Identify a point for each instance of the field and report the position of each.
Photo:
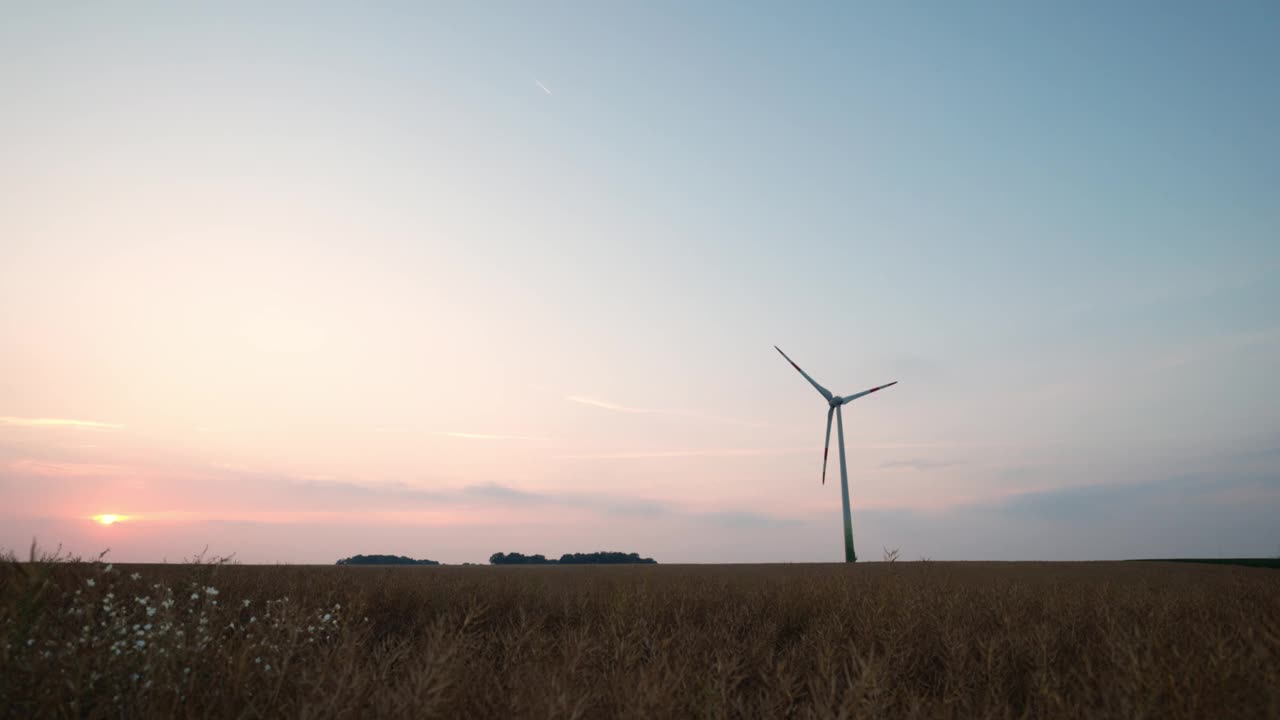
(921, 639)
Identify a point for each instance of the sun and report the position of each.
(109, 519)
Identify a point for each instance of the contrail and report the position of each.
(544, 87)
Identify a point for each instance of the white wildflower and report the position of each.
(211, 590)
(135, 576)
(90, 582)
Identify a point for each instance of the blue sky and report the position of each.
(395, 248)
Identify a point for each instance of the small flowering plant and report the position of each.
(113, 635)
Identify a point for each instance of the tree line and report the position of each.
(595, 558)
(384, 560)
(515, 558)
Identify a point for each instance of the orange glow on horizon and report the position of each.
(109, 519)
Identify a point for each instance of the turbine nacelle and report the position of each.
(836, 401)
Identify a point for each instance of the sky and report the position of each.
(297, 281)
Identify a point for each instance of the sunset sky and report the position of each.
(302, 282)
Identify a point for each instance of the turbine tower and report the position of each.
(834, 403)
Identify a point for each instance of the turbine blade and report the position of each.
(827, 446)
(855, 396)
(825, 392)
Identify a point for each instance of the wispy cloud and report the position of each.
(710, 452)
(544, 87)
(605, 405)
(748, 520)
(48, 469)
(917, 464)
(59, 423)
(614, 407)
(755, 452)
(361, 498)
(482, 436)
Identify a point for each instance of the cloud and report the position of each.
(502, 493)
(59, 423)
(1156, 498)
(615, 504)
(712, 452)
(606, 405)
(482, 436)
(917, 465)
(756, 452)
(47, 469)
(395, 491)
(361, 498)
(748, 520)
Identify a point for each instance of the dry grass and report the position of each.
(967, 640)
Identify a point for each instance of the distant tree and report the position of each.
(595, 558)
(605, 558)
(384, 560)
(516, 558)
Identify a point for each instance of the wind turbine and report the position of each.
(834, 403)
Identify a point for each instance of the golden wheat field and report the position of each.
(921, 639)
